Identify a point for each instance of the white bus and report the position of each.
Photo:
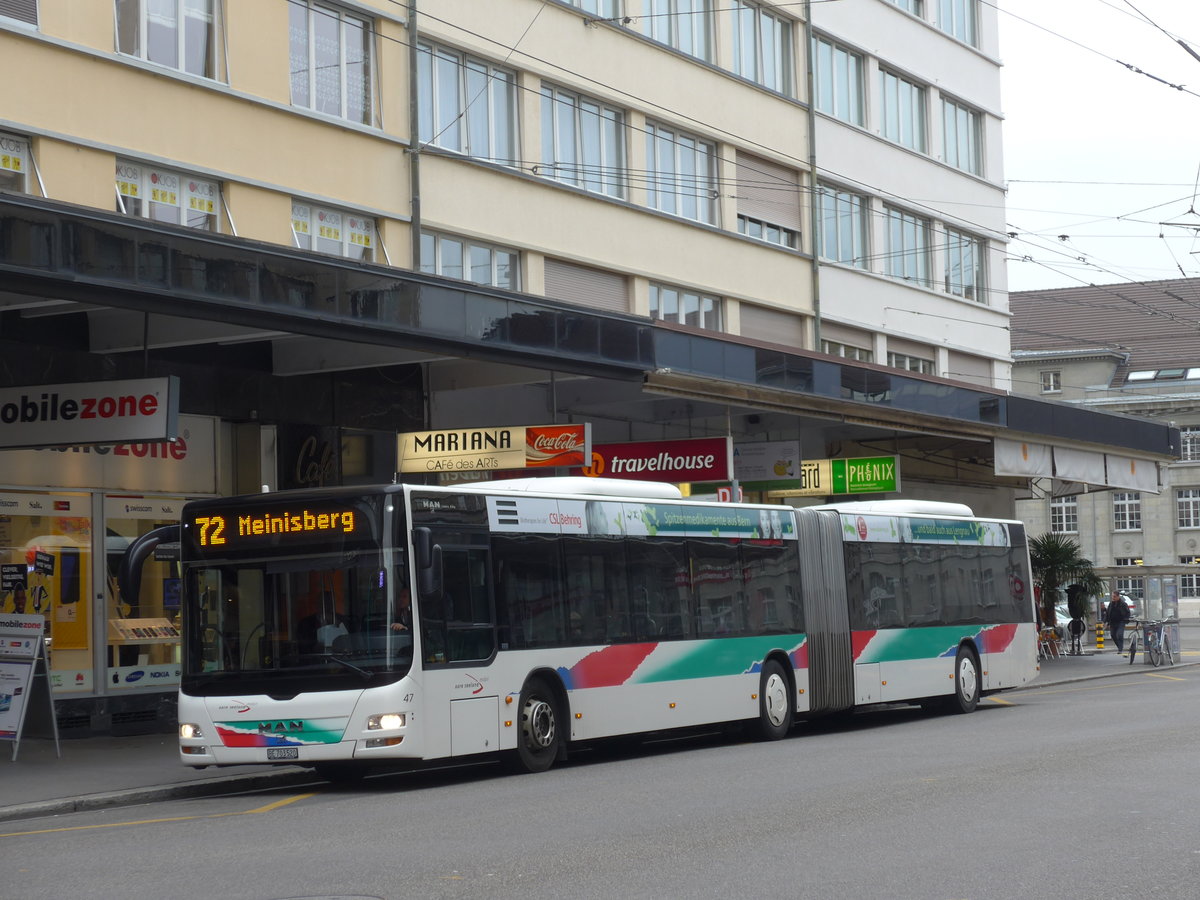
(559, 611)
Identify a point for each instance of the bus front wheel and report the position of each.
(774, 703)
(966, 681)
(540, 733)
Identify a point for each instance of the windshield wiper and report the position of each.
(349, 665)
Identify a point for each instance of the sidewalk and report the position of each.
(94, 773)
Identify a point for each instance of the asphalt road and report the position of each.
(1076, 791)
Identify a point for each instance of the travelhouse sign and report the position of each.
(489, 449)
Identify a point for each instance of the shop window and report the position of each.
(333, 231)
(15, 163)
(45, 566)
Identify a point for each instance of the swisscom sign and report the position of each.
(92, 412)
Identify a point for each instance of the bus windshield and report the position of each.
(319, 622)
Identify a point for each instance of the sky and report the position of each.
(1102, 163)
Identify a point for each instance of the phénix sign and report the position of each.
(90, 412)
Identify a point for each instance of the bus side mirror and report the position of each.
(428, 564)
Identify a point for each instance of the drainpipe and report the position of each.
(813, 198)
(414, 141)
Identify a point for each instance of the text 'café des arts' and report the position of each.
(122, 398)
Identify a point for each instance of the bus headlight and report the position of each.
(385, 722)
(190, 730)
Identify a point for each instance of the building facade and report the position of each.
(1131, 349)
(332, 222)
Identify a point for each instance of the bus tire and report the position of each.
(775, 708)
(966, 681)
(540, 731)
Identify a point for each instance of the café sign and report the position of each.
(492, 449)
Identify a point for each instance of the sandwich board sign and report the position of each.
(25, 701)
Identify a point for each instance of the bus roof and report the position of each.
(902, 507)
(579, 484)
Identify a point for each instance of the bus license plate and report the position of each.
(283, 753)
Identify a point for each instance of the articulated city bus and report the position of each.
(553, 612)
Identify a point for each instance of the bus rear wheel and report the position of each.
(775, 707)
(540, 734)
(966, 682)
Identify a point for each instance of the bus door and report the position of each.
(458, 642)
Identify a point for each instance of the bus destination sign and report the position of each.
(218, 529)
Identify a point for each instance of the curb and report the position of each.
(208, 787)
(1107, 673)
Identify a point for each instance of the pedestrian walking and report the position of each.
(1118, 615)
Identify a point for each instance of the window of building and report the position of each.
(330, 61)
(608, 9)
(765, 231)
(21, 10)
(762, 46)
(178, 34)
(1187, 508)
(1127, 511)
(901, 110)
(1189, 586)
(847, 351)
(685, 25)
(1052, 382)
(910, 363)
(843, 226)
(673, 304)
(469, 260)
(583, 142)
(1064, 515)
(961, 137)
(167, 196)
(964, 254)
(838, 81)
(907, 252)
(1134, 587)
(14, 163)
(466, 105)
(333, 231)
(682, 174)
(1189, 436)
(1127, 561)
(959, 19)
(916, 7)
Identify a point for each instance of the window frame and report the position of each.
(434, 243)
(962, 136)
(609, 169)
(960, 20)
(665, 188)
(710, 317)
(215, 66)
(761, 230)
(839, 81)
(907, 252)
(847, 351)
(1051, 381)
(16, 160)
(470, 120)
(966, 252)
(1064, 514)
(908, 362)
(201, 196)
(903, 106)
(366, 103)
(681, 25)
(1127, 511)
(1187, 508)
(351, 236)
(778, 75)
(849, 209)
(1189, 440)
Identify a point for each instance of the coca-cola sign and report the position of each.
(556, 445)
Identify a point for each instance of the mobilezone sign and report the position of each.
(91, 412)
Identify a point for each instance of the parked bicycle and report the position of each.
(1156, 644)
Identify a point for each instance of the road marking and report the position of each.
(1167, 677)
(998, 700)
(247, 812)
